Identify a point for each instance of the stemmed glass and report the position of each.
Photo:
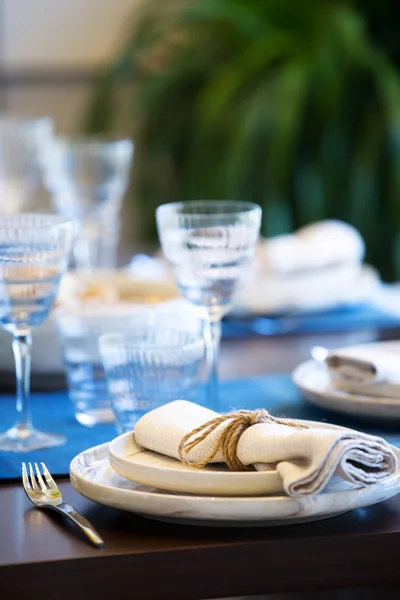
(87, 178)
(21, 140)
(209, 245)
(34, 251)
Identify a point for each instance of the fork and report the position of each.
(49, 496)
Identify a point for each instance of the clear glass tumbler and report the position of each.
(21, 143)
(87, 178)
(34, 251)
(209, 245)
(80, 329)
(149, 367)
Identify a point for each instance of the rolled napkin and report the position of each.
(320, 265)
(306, 458)
(368, 369)
(321, 245)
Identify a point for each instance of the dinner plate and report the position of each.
(93, 477)
(312, 379)
(149, 468)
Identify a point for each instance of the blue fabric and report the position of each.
(53, 412)
(361, 316)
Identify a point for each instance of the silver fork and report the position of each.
(43, 492)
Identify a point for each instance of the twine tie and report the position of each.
(228, 439)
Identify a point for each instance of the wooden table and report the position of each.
(150, 560)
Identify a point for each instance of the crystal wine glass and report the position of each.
(34, 251)
(209, 245)
(21, 142)
(87, 178)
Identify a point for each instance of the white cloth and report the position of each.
(306, 459)
(321, 245)
(316, 267)
(368, 369)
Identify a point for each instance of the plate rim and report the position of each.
(343, 395)
(219, 499)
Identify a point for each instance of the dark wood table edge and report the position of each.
(316, 563)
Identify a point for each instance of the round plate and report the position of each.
(313, 381)
(150, 468)
(143, 466)
(93, 477)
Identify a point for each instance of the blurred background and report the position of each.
(294, 105)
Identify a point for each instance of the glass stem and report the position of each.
(22, 344)
(212, 336)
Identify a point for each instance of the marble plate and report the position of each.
(314, 383)
(93, 477)
(137, 464)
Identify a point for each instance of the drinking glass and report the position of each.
(148, 367)
(80, 329)
(21, 141)
(34, 252)
(87, 179)
(209, 245)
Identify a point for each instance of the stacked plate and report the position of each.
(380, 401)
(125, 476)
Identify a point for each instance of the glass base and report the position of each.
(23, 440)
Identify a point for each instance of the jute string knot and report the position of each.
(228, 439)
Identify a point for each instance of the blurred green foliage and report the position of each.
(293, 104)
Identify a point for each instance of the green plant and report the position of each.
(294, 104)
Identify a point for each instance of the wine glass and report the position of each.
(87, 178)
(209, 245)
(34, 251)
(21, 142)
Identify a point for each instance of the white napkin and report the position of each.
(318, 266)
(324, 244)
(368, 369)
(306, 459)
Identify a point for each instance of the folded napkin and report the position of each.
(306, 459)
(320, 265)
(370, 369)
(317, 246)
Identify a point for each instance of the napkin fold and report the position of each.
(321, 245)
(306, 459)
(369, 370)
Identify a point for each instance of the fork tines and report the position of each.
(31, 483)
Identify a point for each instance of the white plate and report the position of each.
(149, 468)
(320, 291)
(313, 381)
(93, 477)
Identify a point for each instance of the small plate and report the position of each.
(143, 466)
(150, 468)
(93, 477)
(312, 379)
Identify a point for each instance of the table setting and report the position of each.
(145, 425)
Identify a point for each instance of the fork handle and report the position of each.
(79, 520)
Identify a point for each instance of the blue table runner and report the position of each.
(360, 316)
(53, 412)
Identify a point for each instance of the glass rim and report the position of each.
(24, 118)
(196, 339)
(239, 206)
(82, 141)
(25, 220)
